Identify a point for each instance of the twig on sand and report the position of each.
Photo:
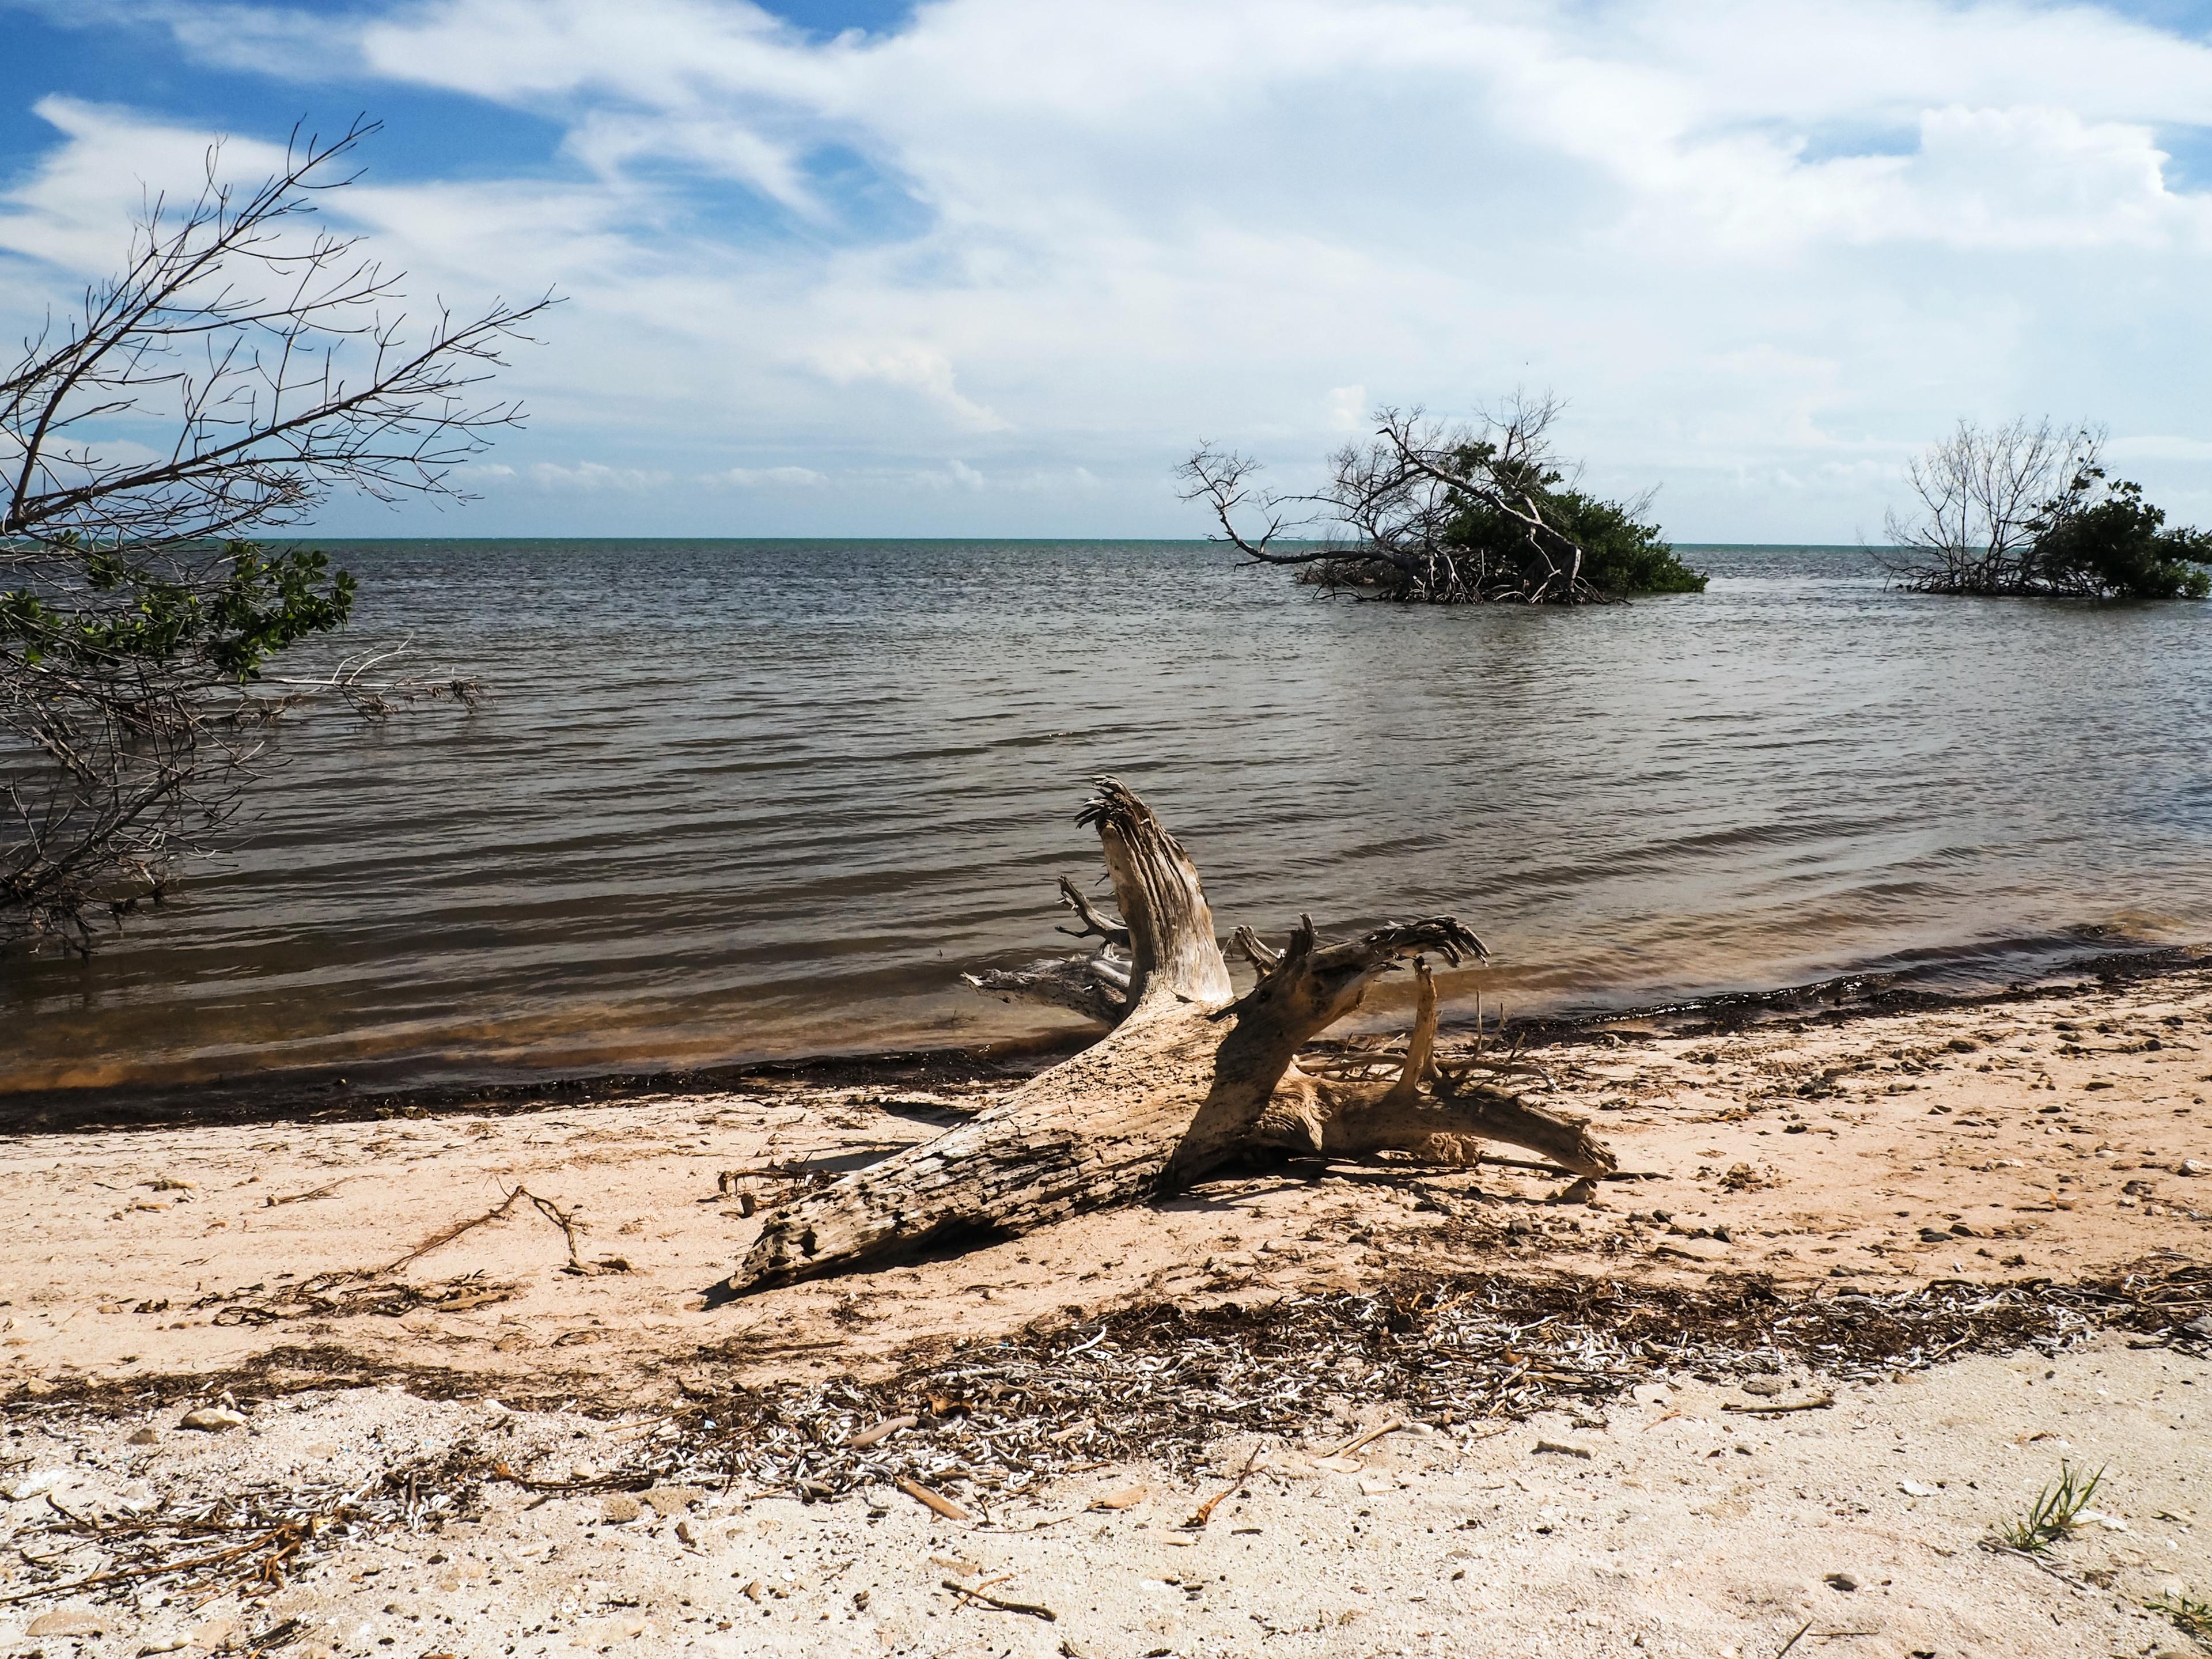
(1359, 1440)
(1820, 1404)
(883, 1431)
(273, 1201)
(1000, 1603)
(1795, 1639)
(283, 1541)
(562, 1220)
(275, 1636)
(1204, 1513)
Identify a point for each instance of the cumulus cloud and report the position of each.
(1765, 248)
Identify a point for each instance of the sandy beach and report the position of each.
(1874, 1279)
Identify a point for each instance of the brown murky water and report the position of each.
(735, 801)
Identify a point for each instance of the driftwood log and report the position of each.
(1190, 1077)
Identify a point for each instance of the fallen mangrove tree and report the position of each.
(1191, 1077)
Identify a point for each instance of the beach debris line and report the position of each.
(1191, 1076)
(1463, 1354)
(1168, 1384)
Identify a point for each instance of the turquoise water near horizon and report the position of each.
(733, 800)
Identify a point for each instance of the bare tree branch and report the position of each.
(1985, 494)
(244, 365)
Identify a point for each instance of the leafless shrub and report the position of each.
(1394, 517)
(243, 366)
(1984, 496)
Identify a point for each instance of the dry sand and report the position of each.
(2061, 1136)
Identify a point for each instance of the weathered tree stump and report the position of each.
(1190, 1075)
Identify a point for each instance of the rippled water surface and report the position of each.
(733, 801)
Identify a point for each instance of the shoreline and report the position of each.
(323, 1094)
(2056, 1132)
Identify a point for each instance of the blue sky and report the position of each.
(990, 267)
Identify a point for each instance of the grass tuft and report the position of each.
(2054, 1515)
(2191, 1616)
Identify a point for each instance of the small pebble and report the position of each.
(211, 1419)
(1842, 1581)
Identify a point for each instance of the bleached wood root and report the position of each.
(1435, 1116)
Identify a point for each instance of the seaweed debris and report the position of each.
(995, 1421)
(251, 1541)
(1167, 1383)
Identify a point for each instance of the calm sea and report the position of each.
(745, 799)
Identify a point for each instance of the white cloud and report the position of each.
(764, 477)
(910, 368)
(953, 475)
(1765, 249)
(111, 167)
(2159, 446)
(607, 142)
(596, 476)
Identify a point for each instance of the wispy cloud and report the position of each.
(595, 475)
(764, 477)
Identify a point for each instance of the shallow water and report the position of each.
(735, 800)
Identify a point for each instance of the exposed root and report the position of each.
(1070, 896)
(1254, 950)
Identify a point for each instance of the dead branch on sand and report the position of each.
(1191, 1077)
